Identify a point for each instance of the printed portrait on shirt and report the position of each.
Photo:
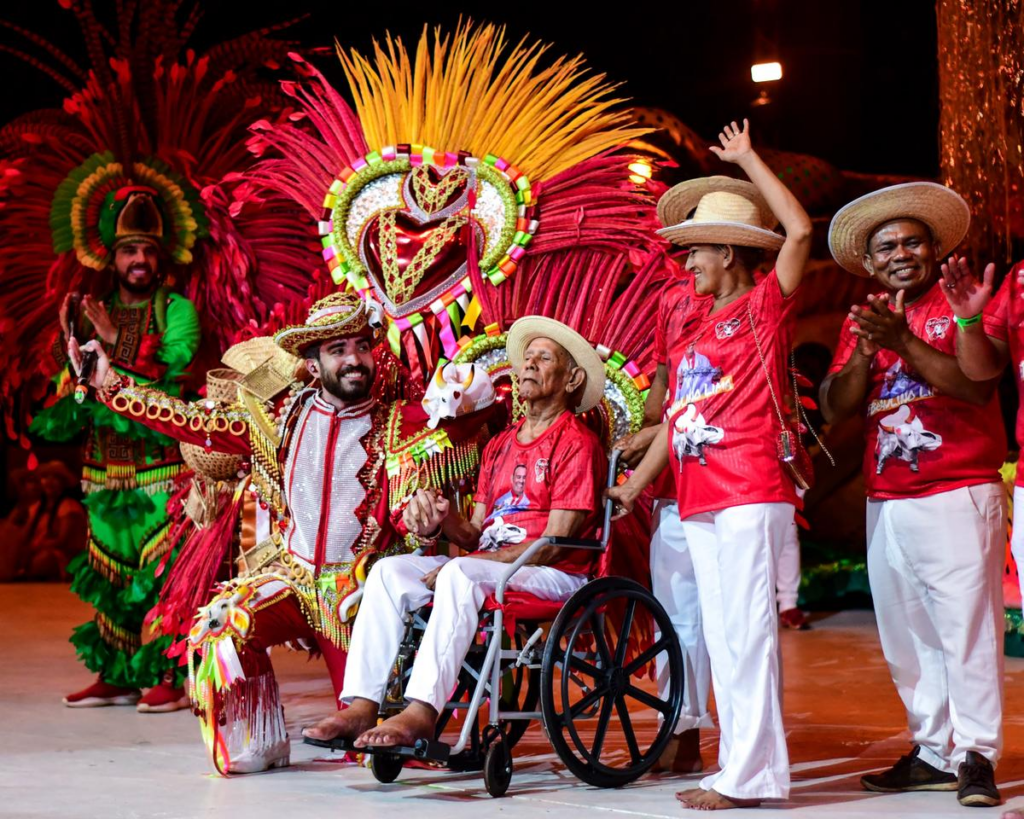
(697, 378)
(515, 500)
(900, 387)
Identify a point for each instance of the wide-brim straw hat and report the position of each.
(943, 210)
(528, 328)
(726, 211)
(339, 315)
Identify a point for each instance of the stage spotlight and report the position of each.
(766, 72)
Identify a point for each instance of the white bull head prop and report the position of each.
(457, 389)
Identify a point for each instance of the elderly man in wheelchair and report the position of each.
(541, 477)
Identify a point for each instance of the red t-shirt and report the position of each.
(520, 484)
(920, 442)
(1004, 319)
(723, 428)
(675, 302)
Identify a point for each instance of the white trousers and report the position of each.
(1017, 537)
(935, 566)
(675, 585)
(734, 555)
(395, 587)
(788, 580)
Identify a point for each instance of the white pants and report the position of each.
(788, 580)
(1017, 537)
(935, 566)
(395, 587)
(675, 585)
(734, 557)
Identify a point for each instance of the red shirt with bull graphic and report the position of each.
(920, 442)
(723, 429)
(1004, 319)
(675, 302)
(520, 484)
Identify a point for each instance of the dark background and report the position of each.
(859, 88)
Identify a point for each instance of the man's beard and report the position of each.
(335, 384)
(139, 288)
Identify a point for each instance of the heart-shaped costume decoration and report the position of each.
(414, 250)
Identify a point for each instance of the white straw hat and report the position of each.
(526, 329)
(943, 210)
(726, 211)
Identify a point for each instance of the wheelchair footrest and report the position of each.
(426, 749)
(336, 744)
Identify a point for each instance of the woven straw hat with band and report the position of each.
(339, 315)
(528, 328)
(726, 211)
(943, 210)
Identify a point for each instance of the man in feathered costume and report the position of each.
(126, 194)
(320, 460)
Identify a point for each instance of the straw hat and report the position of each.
(339, 315)
(526, 329)
(222, 388)
(942, 209)
(726, 211)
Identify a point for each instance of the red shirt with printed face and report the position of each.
(520, 484)
(920, 442)
(1004, 319)
(675, 302)
(723, 427)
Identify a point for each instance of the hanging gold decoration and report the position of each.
(981, 120)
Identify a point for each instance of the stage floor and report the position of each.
(842, 714)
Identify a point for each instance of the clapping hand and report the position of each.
(879, 325)
(967, 296)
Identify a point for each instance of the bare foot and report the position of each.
(688, 794)
(360, 716)
(415, 722)
(682, 754)
(713, 800)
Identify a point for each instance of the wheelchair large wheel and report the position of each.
(597, 704)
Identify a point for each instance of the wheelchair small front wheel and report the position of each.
(386, 767)
(498, 767)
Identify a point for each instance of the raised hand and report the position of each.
(967, 296)
(881, 325)
(100, 319)
(735, 143)
(63, 316)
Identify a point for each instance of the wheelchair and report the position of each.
(576, 666)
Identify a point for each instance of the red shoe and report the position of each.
(163, 698)
(100, 694)
(794, 619)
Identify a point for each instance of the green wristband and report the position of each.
(964, 323)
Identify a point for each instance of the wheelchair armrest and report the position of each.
(576, 543)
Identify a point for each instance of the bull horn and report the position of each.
(469, 378)
(439, 378)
